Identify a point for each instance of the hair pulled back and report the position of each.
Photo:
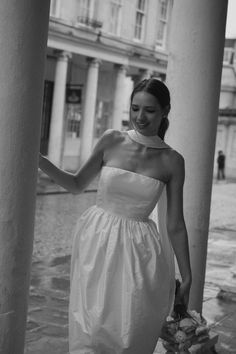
(160, 91)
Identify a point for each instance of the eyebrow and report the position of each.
(135, 104)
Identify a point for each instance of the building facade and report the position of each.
(226, 131)
(97, 51)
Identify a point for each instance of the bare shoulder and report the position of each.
(112, 134)
(175, 164)
(176, 159)
(108, 139)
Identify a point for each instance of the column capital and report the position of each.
(134, 77)
(145, 73)
(93, 61)
(159, 76)
(121, 67)
(62, 55)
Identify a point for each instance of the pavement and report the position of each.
(47, 324)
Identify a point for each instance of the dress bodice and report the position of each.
(128, 194)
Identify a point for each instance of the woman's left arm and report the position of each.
(176, 225)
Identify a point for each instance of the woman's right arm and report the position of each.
(76, 183)
(63, 178)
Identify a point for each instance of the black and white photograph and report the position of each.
(118, 177)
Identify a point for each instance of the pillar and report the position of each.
(193, 77)
(23, 40)
(57, 126)
(89, 110)
(119, 99)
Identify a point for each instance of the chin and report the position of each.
(145, 131)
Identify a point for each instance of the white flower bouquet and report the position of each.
(183, 329)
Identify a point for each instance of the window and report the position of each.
(140, 19)
(73, 107)
(228, 56)
(55, 8)
(115, 16)
(85, 11)
(164, 11)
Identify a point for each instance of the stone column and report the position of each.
(57, 126)
(89, 110)
(23, 39)
(119, 98)
(193, 77)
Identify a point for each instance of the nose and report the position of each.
(140, 116)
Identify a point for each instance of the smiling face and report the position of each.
(146, 113)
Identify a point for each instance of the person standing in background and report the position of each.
(221, 165)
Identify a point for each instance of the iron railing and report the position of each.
(90, 22)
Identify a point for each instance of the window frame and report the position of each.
(141, 28)
(119, 5)
(229, 55)
(90, 12)
(163, 21)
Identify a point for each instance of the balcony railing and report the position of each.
(90, 22)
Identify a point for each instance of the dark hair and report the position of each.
(159, 90)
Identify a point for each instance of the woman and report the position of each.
(120, 283)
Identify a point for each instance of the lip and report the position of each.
(142, 125)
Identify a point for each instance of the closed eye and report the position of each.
(135, 108)
(150, 110)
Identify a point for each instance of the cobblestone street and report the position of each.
(56, 216)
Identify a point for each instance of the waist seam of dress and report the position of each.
(122, 216)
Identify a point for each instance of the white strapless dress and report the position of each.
(120, 270)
